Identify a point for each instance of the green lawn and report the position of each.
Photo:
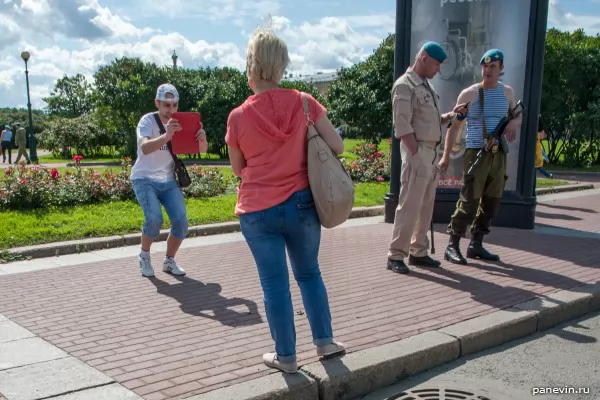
(549, 183)
(118, 218)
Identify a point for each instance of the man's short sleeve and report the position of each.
(231, 137)
(145, 127)
(402, 109)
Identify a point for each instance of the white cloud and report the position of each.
(568, 21)
(66, 37)
(212, 10)
(332, 42)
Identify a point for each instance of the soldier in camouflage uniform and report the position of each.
(483, 186)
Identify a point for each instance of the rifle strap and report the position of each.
(484, 133)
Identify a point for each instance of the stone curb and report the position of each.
(582, 173)
(362, 372)
(86, 245)
(564, 188)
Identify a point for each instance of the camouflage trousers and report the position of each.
(480, 194)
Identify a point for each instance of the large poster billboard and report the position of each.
(467, 29)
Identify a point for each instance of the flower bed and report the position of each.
(370, 165)
(38, 187)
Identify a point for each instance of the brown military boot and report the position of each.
(453, 253)
(476, 249)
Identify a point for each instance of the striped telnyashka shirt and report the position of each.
(496, 107)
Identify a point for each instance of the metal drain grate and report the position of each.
(439, 394)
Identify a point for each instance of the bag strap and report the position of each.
(309, 122)
(484, 131)
(161, 127)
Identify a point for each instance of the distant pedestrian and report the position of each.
(6, 142)
(540, 154)
(267, 140)
(154, 181)
(21, 141)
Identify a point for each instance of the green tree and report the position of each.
(225, 90)
(71, 97)
(82, 135)
(125, 90)
(360, 96)
(570, 96)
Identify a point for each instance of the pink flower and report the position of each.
(54, 173)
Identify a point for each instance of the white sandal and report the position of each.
(271, 360)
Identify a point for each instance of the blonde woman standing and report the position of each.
(266, 136)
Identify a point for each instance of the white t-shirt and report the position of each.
(158, 165)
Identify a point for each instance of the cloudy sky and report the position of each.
(78, 36)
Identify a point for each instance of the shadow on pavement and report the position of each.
(204, 300)
(526, 274)
(502, 297)
(565, 217)
(567, 208)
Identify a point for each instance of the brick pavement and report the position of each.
(169, 338)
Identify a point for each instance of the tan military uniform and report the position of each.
(21, 141)
(415, 111)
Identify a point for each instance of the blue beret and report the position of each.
(491, 56)
(435, 51)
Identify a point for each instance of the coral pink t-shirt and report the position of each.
(270, 130)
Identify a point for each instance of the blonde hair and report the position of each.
(266, 56)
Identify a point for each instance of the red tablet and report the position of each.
(184, 141)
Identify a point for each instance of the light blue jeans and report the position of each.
(293, 224)
(151, 194)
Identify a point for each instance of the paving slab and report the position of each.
(109, 392)
(9, 331)
(27, 351)
(49, 378)
(177, 337)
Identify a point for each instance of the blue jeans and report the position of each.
(151, 194)
(293, 224)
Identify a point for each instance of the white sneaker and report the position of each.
(330, 350)
(171, 267)
(146, 266)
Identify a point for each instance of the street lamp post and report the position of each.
(32, 152)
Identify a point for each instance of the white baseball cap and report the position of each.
(164, 89)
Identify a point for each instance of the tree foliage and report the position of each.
(71, 97)
(360, 97)
(571, 97)
(124, 90)
(65, 137)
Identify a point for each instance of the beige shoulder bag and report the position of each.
(330, 184)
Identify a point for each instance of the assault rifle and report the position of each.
(496, 138)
